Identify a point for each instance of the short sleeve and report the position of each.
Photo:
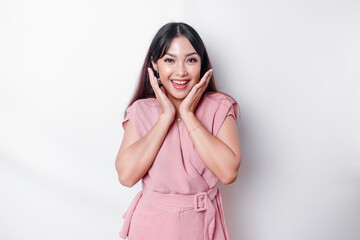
(141, 113)
(128, 116)
(131, 114)
(227, 106)
(232, 109)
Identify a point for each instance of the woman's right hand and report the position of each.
(166, 105)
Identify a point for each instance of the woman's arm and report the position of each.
(220, 153)
(136, 155)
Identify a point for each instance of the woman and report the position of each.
(180, 139)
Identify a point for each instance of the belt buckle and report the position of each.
(200, 198)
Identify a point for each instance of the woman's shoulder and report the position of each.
(143, 114)
(145, 103)
(214, 108)
(218, 98)
(143, 107)
(219, 103)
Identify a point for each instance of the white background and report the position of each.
(68, 70)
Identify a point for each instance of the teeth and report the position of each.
(180, 82)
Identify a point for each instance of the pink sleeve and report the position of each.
(227, 106)
(128, 116)
(137, 113)
(132, 113)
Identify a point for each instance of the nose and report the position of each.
(181, 70)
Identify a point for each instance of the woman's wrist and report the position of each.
(167, 118)
(194, 128)
(186, 115)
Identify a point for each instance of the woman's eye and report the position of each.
(171, 60)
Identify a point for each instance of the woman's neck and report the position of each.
(176, 103)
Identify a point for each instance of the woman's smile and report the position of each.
(180, 84)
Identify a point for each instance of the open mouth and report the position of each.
(180, 84)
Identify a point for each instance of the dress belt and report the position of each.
(198, 202)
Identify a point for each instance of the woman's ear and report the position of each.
(153, 64)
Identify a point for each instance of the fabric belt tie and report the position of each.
(200, 202)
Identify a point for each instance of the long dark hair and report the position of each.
(158, 48)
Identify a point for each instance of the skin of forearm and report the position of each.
(215, 154)
(136, 160)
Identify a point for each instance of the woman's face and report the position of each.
(179, 68)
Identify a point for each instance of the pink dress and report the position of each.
(180, 199)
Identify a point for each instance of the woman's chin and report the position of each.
(180, 95)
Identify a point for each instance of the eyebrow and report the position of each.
(189, 54)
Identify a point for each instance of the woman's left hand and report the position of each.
(189, 104)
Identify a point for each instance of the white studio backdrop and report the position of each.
(68, 70)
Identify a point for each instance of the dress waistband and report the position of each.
(180, 202)
(200, 202)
